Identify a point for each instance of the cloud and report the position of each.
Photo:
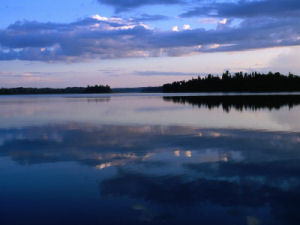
(163, 73)
(175, 28)
(242, 9)
(288, 61)
(125, 5)
(147, 17)
(186, 27)
(21, 75)
(106, 38)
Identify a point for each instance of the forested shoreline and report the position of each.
(238, 82)
(68, 90)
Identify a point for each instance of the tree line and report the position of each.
(68, 90)
(237, 82)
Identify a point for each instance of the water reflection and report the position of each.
(146, 174)
(239, 102)
(19, 111)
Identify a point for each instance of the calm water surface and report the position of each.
(149, 159)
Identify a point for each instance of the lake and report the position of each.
(150, 159)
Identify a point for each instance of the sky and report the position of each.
(132, 43)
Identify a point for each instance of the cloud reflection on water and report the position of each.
(170, 168)
(144, 160)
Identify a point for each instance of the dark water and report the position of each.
(149, 159)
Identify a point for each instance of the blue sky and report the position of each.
(128, 43)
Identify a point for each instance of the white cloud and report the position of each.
(175, 28)
(100, 18)
(223, 21)
(186, 27)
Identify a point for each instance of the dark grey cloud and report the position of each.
(148, 17)
(125, 5)
(105, 38)
(242, 9)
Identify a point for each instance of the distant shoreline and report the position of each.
(227, 83)
(237, 82)
(68, 90)
(204, 93)
(164, 94)
(209, 93)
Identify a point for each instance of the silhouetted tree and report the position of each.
(238, 82)
(97, 89)
(68, 90)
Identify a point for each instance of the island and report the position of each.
(69, 90)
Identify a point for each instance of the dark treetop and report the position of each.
(68, 90)
(238, 82)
